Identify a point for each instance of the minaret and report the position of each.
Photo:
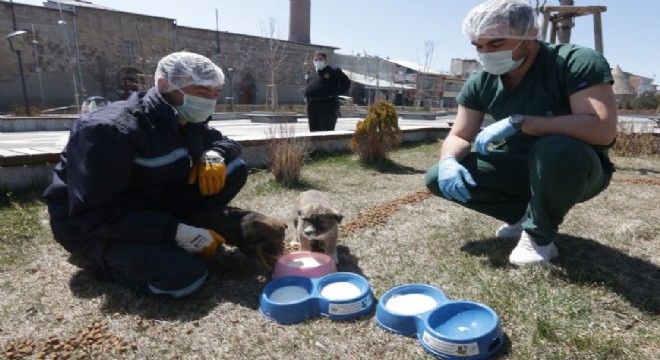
(299, 14)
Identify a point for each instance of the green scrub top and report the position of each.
(557, 72)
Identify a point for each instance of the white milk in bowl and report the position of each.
(304, 262)
(410, 304)
(288, 294)
(341, 290)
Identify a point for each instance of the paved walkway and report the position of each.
(240, 129)
(28, 157)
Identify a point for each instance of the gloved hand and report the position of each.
(497, 131)
(450, 179)
(197, 240)
(210, 173)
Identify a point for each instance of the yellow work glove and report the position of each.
(197, 240)
(210, 173)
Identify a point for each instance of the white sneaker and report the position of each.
(510, 231)
(528, 253)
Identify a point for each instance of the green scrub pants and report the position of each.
(543, 185)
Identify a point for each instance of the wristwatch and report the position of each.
(517, 120)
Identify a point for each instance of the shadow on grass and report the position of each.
(388, 166)
(230, 279)
(585, 261)
(347, 261)
(641, 171)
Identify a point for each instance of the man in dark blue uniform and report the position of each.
(126, 197)
(323, 88)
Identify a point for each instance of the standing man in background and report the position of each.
(323, 88)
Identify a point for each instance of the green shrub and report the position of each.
(377, 134)
(648, 101)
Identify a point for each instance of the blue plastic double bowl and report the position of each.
(338, 296)
(446, 329)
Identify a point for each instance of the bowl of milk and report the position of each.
(304, 263)
(401, 309)
(447, 329)
(288, 300)
(338, 296)
(344, 296)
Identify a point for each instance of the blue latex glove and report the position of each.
(497, 131)
(450, 179)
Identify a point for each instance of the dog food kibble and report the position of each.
(304, 262)
(340, 290)
(288, 294)
(410, 304)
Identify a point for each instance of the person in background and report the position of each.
(323, 88)
(136, 174)
(555, 119)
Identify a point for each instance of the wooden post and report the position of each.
(565, 23)
(558, 31)
(544, 27)
(598, 33)
(553, 32)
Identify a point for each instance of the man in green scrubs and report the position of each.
(555, 118)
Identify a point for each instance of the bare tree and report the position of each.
(538, 4)
(427, 62)
(145, 80)
(99, 70)
(272, 60)
(232, 73)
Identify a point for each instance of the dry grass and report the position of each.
(598, 301)
(642, 141)
(287, 153)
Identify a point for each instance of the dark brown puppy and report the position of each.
(316, 219)
(258, 236)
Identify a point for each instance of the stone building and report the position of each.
(74, 49)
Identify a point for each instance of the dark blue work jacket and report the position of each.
(124, 171)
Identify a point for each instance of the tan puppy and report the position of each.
(316, 219)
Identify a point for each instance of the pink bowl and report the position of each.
(304, 263)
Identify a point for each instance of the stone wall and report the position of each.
(115, 47)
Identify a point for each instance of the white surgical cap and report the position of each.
(186, 68)
(509, 19)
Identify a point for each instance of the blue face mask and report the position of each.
(500, 62)
(196, 109)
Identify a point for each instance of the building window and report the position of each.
(128, 48)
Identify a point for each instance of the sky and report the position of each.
(399, 29)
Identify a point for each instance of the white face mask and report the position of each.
(500, 62)
(319, 64)
(196, 109)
